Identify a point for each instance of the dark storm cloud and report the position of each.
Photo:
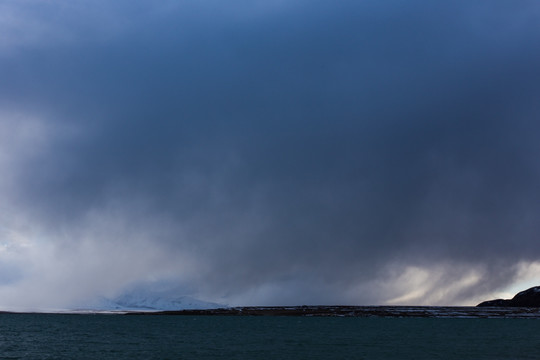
(297, 148)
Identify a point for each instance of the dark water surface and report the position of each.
(62, 336)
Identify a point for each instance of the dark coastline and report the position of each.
(359, 311)
(322, 311)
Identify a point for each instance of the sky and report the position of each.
(269, 152)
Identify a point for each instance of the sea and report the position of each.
(102, 336)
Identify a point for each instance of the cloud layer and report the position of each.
(268, 153)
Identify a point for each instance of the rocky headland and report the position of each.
(528, 298)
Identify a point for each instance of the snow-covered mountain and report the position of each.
(148, 301)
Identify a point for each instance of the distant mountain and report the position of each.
(149, 301)
(526, 298)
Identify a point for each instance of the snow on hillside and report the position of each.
(145, 301)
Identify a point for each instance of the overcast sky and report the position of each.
(269, 152)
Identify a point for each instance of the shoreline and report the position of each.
(359, 311)
(322, 311)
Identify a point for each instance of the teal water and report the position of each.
(61, 336)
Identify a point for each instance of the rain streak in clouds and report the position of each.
(261, 152)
